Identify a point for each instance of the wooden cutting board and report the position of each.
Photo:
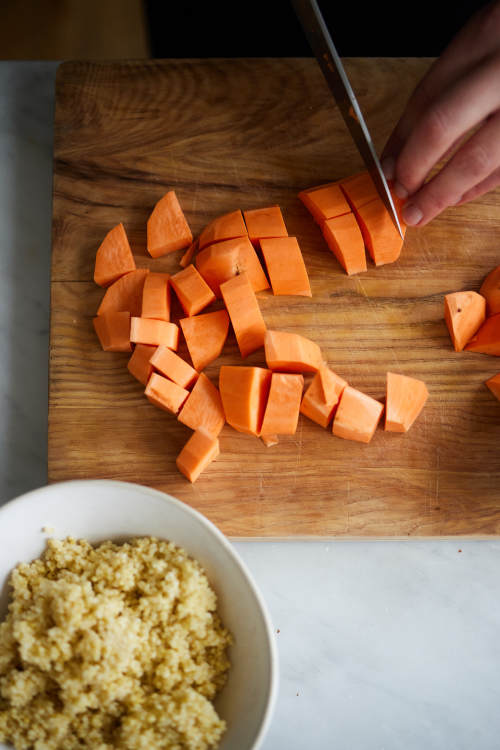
(229, 134)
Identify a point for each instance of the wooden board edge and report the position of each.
(370, 539)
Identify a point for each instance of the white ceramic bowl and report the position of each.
(97, 510)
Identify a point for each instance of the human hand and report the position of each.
(454, 112)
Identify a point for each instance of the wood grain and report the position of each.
(246, 133)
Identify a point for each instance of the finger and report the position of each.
(472, 165)
(490, 183)
(389, 163)
(478, 38)
(457, 111)
(418, 102)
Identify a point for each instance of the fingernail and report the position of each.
(412, 214)
(400, 190)
(388, 167)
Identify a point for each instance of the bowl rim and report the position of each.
(272, 686)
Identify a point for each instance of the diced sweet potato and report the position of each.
(464, 313)
(203, 407)
(325, 202)
(282, 410)
(405, 400)
(265, 222)
(139, 365)
(205, 336)
(167, 228)
(200, 450)
(165, 393)
(487, 338)
(494, 385)
(156, 296)
(222, 261)
(290, 352)
(357, 416)
(193, 292)
(244, 392)
(285, 266)
(490, 289)
(169, 364)
(114, 257)
(125, 294)
(244, 311)
(113, 331)
(154, 332)
(343, 237)
(322, 396)
(224, 227)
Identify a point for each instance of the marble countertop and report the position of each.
(382, 645)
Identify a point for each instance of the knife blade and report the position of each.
(321, 43)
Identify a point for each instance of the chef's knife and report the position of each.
(319, 38)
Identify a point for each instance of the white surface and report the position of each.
(99, 510)
(383, 645)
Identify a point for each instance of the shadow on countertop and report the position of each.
(26, 137)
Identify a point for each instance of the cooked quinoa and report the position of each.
(115, 646)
